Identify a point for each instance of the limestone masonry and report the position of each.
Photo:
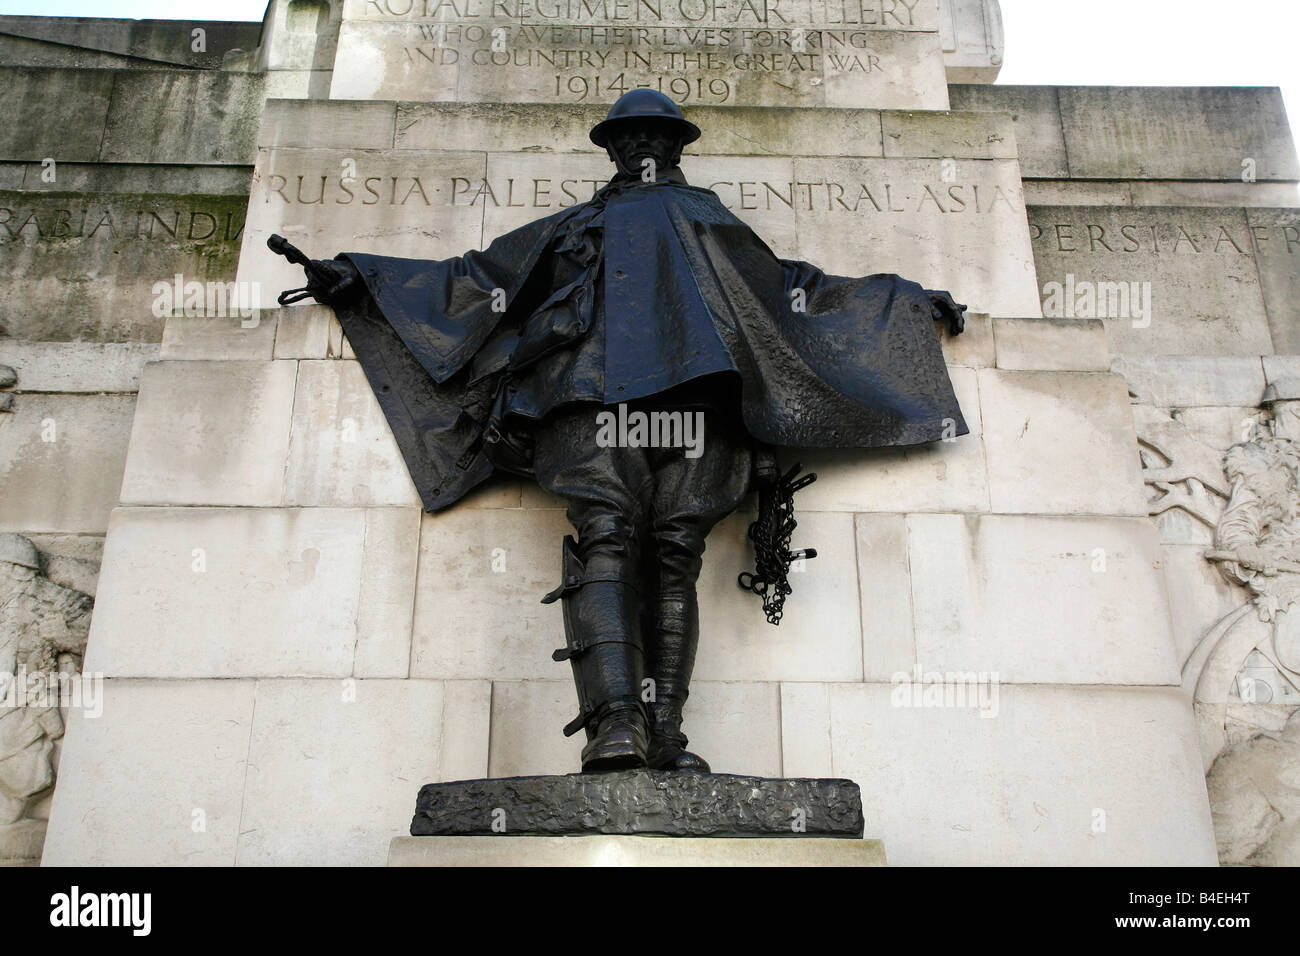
(1054, 640)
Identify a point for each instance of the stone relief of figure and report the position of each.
(1241, 667)
(43, 630)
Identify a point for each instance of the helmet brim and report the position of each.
(601, 132)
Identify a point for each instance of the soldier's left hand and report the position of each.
(946, 309)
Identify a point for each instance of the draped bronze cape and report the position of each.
(679, 288)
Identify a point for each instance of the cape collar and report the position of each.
(632, 180)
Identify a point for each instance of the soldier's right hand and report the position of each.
(333, 281)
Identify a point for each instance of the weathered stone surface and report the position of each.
(484, 571)
(197, 752)
(1283, 373)
(134, 179)
(974, 348)
(61, 461)
(1181, 381)
(389, 735)
(182, 117)
(969, 135)
(131, 116)
(1199, 597)
(1238, 194)
(973, 42)
(1035, 113)
(387, 593)
(1116, 132)
(22, 841)
(341, 451)
(79, 98)
(1038, 599)
(77, 366)
(1074, 192)
(235, 338)
(86, 266)
(259, 592)
(966, 235)
(1062, 773)
(297, 38)
(211, 433)
(734, 725)
(633, 851)
(179, 748)
(408, 203)
(308, 332)
(1167, 280)
(885, 587)
(727, 60)
(1277, 253)
(1040, 428)
(940, 476)
(329, 124)
(526, 719)
(736, 130)
(1255, 801)
(640, 801)
(1051, 345)
(159, 41)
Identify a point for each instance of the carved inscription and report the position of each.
(878, 197)
(50, 221)
(1171, 236)
(714, 52)
(879, 14)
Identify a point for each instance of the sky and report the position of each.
(1053, 42)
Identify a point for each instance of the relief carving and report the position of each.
(43, 630)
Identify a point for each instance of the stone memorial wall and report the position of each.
(1001, 636)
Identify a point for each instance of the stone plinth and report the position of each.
(632, 851)
(646, 802)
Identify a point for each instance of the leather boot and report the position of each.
(670, 659)
(602, 631)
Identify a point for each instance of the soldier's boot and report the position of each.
(670, 659)
(603, 645)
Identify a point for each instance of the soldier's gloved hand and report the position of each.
(945, 308)
(333, 281)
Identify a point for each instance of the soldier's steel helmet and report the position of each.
(644, 104)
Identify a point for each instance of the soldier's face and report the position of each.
(632, 145)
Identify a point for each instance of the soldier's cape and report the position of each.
(684, 289)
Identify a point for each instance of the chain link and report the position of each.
(770, 535)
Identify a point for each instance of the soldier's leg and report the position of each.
(605, 489)
(690, 496)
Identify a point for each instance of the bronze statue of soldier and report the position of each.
(654, 298)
